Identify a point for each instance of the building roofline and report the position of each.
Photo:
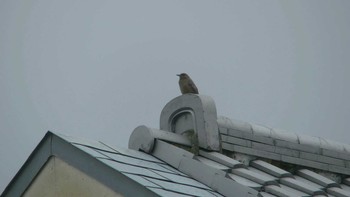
(30, 168)
(54, 145)
(279, 145)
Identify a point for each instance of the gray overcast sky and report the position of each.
(98, 69)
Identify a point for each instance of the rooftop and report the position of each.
(197, 153)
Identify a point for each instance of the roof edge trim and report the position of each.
(31, 167)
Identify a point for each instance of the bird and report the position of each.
(186, 84)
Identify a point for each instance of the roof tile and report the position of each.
(245, 181)
(284, 136)
(253, 176)
(163, 149)
(314, 177)
(279, 191)
(220, 158)
(270, 169)
(298, 185)
(212, 163)
(336, 191)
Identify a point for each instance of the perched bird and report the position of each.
(186, 84)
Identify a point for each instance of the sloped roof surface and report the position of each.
(273, 162)
(260, 172)
(289, 147)
(145, 169)
(273, 181)
(222, 157)
(318, 166)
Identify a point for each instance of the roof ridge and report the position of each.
(277, 144)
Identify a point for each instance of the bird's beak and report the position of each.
(178, 75)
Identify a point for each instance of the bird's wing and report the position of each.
(193, 86)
